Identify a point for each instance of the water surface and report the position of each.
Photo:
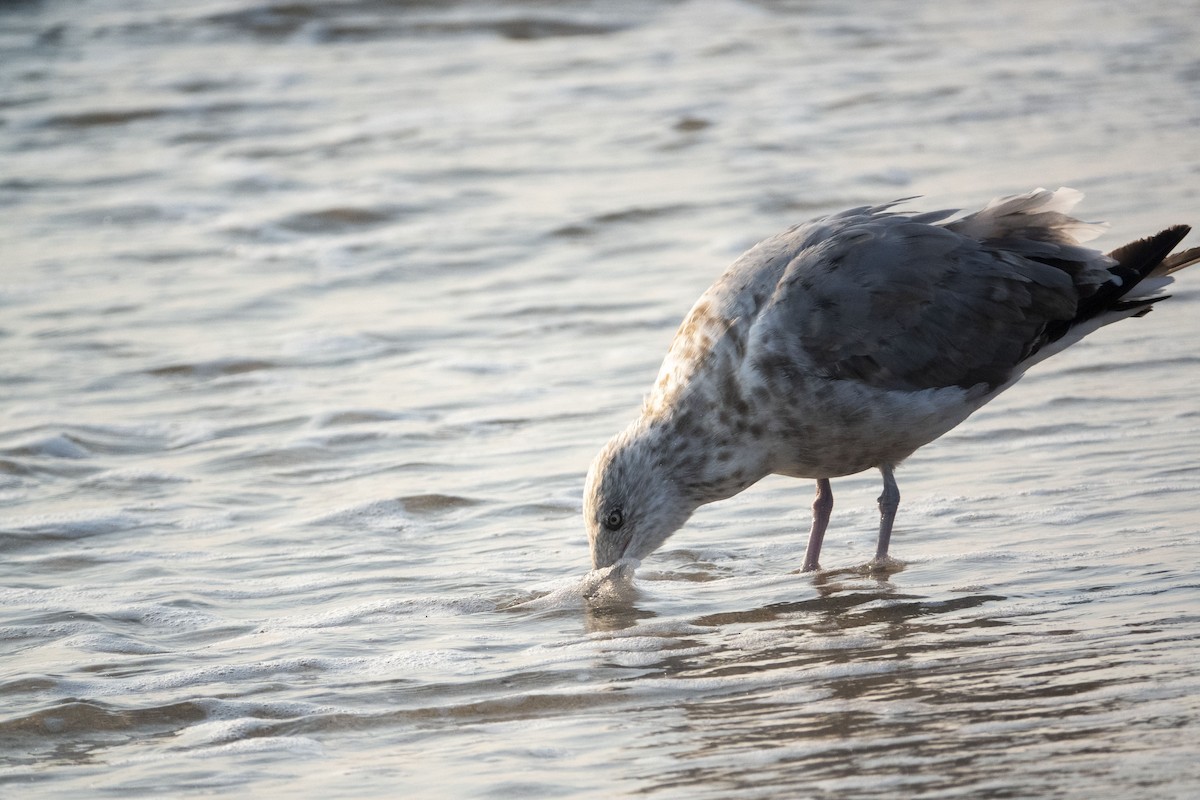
(312, 316)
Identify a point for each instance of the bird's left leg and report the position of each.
(889, 501)
(822, 508)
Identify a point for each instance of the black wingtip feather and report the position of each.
(1143, 255)
(1136, 261)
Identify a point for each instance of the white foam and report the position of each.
(226, 709)
(391, 607)
(599, 587)
(221, 731)
(42, 632)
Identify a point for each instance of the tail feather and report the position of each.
(1177, 261)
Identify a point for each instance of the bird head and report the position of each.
(631, 501)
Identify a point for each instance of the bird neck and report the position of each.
(702, 451)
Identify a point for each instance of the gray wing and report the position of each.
(898, 303)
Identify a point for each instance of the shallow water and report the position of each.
(312, 316)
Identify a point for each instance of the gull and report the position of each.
(845, 343)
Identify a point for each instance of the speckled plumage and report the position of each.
(848, 342)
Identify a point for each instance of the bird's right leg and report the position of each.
(822, 507)
(889, 501)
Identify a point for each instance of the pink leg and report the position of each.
(822, 506)
(889, 501)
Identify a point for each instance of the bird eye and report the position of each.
(614, 519)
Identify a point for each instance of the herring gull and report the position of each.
(846, 343)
